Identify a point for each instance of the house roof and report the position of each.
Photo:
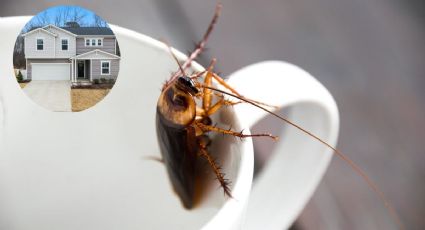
(95, 31)
(39, 29)
(89, 30)
(98, 54)
(58, 28)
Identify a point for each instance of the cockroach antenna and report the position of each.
(344, 157)
(199, 47)
(183, 126)
(175, 58)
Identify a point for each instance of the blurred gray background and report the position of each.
(369, 53)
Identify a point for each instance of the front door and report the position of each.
(80, 69)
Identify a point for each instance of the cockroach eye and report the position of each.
(187, 84)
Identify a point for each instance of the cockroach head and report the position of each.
(186, 84)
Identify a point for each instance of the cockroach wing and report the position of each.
(178, 148)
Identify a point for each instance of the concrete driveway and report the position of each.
(52, 95)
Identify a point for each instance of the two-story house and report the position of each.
(78, 54)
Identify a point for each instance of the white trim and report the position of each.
(109, 67)
(25, 47)
(39, 29)
(63, 30)
(96, 35)
(36, 57)
(32, 70)
(91, 41)
(54, 47)
(26, 68)
(75, 72)
(72, 71)
(66, 31)
(113, 56)
(100, 58)
(50, 63)
(115, 46)
(36, 43)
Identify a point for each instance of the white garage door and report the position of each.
(50, 71)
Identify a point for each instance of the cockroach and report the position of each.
(183, 126)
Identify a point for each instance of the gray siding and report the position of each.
(29, 61)
(52, 45)
(108, 45)
(48, 46)
(59, 53)
(96, 71)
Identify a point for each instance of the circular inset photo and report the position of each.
(66, 59)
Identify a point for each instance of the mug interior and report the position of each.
(89, 170)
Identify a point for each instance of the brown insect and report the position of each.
(183, 126)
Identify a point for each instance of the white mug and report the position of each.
(88, 170)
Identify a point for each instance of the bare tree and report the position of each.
(69, 14)
(77, 15)
(65, 15)
(98, 21)
(18, 53)
(36, 22)
(29, 26)
(42, 19)
(59, 17)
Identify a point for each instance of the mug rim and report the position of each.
(230, 214)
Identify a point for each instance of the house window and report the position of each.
(106, 67)
(64, 44)
(94, 42)
(40, 44)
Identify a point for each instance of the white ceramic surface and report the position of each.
(88, 170)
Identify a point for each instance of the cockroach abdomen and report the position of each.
(178, 148)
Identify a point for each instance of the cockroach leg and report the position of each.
(197, 75)
(207, 95)
(200, 112)
(213, 109)
(224, 84)
(207, 128)
(217, 171)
